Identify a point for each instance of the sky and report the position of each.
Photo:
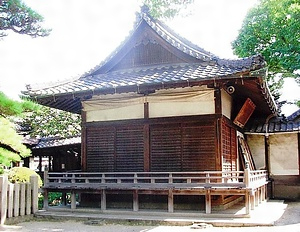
(84, 33)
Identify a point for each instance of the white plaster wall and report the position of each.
(284, 154)
(162, 103)
(257, 148)
(126, 112)
(226, 104)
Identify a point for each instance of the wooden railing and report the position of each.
(209, 178)
(208, 183)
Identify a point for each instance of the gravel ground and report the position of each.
(290, 221)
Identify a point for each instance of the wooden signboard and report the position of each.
(245, 113)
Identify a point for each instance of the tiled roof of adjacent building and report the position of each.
(275, 125)
(48, 142)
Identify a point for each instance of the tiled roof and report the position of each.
(276, 125)
(294, 116)
(202, 66)
(57, 142)
(144, 76)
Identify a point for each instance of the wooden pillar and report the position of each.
(103, 199)
(170, 201)
(46, 201)
(256, 197)
(260, 194)
(247, 202)
(64, 198)
(208, 201)
(73, 199)
(146, 136)
(3, 198)
(83, 142)
(263, 193)
(40, 164)
(218, 126)
(135, 201)
(252, 201)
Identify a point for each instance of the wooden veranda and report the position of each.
(250, 184)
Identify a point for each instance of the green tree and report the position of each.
(49, 122)
(166, 8)
(11, 146)
(19, 18)
(272, 29)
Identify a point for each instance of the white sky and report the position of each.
(85, 32)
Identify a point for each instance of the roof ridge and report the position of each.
(177, 40)
(253, 62)
(166, 33)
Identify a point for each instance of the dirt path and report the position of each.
(290, 221)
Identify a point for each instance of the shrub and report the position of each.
(22, 175)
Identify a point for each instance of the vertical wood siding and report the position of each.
(115, 148)
(175, 145)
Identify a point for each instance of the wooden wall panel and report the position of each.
(100, 149)
(165, 148)
(183, 147)
(166, 144)
(198, 148)
(115, 148)
(129, 149)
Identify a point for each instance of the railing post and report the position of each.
(73, 180)
(135, 178)
(3, 198)
(247, 176)
(207, 179)
(170, 178)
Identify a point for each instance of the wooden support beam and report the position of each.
(252, 200)
(247, 202)
(73, 200)
(103, 199)
(263, 193)
(208, 202)
(256, 197)
(260, 195)
(135, 201)
(46, 201)
(170, 201)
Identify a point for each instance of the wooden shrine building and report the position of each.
(163, 109)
